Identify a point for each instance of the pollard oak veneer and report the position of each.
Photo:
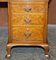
(27, 24)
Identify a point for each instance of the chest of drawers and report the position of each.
(27, 24)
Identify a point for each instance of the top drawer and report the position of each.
(28, 7)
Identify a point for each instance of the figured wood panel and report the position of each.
(27, 33)
(29, 7)
(28, 19)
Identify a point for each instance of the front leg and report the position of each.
(8, 50)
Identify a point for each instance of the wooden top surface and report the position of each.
(3, 0)
(22, 0)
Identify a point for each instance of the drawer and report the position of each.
(27, 33)
(29, 7)
(28, 19)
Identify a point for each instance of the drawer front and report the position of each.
(27, 33)
(28, 19)
(29, 7)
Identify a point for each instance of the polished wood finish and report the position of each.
(3, 0)
(29, 7)
(27, 25)
(26, 19)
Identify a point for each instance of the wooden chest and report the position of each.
(27, 24)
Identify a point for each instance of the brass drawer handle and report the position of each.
(28, 9)
(27, 34)
(27, 20)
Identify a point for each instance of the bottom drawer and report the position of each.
(27, 33)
